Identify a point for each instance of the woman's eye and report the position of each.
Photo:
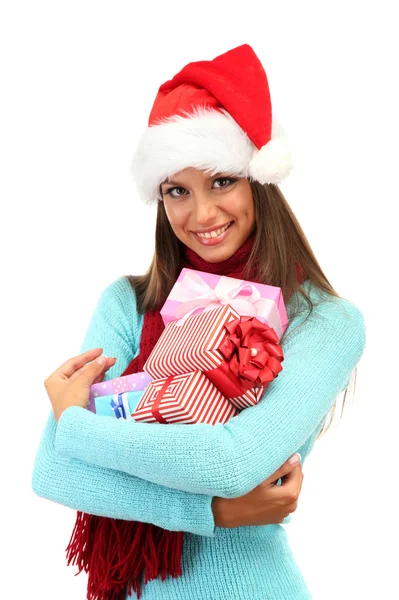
(172, 192)
(225, 181)
(179, 192)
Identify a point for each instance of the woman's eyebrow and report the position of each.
(171, 182)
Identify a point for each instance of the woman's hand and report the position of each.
(69, 385)
(267, 503)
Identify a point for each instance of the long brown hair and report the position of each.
(279, 245)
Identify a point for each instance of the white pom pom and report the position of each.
(273, 162)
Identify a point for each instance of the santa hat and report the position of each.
(216, 116)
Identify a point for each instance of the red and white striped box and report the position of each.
(186, 398)
(193, 345)
(190, 345)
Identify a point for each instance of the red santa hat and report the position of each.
(216, 116)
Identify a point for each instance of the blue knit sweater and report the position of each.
(168, 474)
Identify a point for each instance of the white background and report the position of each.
(78, 79)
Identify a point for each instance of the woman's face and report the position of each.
(196, 203)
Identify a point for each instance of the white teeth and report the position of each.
(213, 234)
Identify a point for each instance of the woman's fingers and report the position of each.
(68, 368)
(86, 377)
(64, 393)
(108, 364)
(283, 470)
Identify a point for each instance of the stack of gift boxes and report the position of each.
(216, 356)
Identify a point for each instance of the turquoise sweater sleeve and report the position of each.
(228, 460)
(110, 492)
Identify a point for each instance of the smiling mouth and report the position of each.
(214, 234)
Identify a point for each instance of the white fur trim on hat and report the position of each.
(206, 139)
(274, 161)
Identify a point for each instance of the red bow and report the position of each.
(253, 351)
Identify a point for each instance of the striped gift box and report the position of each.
(185, 398)
(192, 345)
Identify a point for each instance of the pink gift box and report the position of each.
(134, 382)
(195, 344)
(186, 398)
(196, 291)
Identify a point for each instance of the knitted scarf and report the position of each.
(117, 553)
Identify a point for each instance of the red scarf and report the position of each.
(116, 553)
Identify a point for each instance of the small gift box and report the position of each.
(120, 406)
(196, 291)
(240, 355)
(186, 398)
(128, 383)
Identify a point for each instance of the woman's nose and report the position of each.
(205, 210)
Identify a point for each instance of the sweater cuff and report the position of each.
(70, 434)
(201, 517)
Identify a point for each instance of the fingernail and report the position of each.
(295, 458)
(101, 359)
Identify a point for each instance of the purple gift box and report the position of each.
(128, 383)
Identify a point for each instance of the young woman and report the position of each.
(211, 158)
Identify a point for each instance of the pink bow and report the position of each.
(198, 294)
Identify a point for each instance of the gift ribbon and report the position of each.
(252, 352)
(194, 293)
(118, 408)
(121, 407)
(158, 398)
